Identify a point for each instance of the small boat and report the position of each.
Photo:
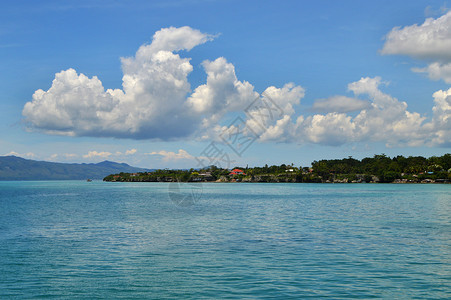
(88, 180)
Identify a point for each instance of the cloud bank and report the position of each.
(157, 102)
(385, 119)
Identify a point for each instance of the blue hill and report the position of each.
(17, 168)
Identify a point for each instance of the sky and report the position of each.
(181, 84)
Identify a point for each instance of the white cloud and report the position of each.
(95, 154)
(171, 156)
(223, 91)
(130, 152)
(436, 71)
(150, 105)
(430, 40)
(175, 39)
(12, 153)
(27, 155)
(340, 104)
(442, 117)
(385, 119)
(331, 129)
(280, 131)
(155, 101)
(273, 110)
(381, 119)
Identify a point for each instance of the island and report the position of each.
(377, 169)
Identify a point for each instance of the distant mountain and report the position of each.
(17, 168)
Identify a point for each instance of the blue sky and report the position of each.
(349, 77)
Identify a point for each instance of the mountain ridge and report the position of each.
(18, 168)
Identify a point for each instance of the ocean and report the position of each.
(105, 240)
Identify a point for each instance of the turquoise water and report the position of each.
(75, 239)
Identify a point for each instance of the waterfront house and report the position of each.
(237, 172)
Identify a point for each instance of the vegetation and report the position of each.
(379, 168)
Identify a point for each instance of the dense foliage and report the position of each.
(379, 168)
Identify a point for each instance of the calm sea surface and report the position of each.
(75, 239)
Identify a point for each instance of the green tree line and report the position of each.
(379, 168)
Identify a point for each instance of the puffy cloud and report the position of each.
(385, 119)
(280, 131)
(436, 71)
(286, 97)
(332, 129)
(430, 40)
(152, 103)
(222, 93)
(155, 100)
(339, 104)
(73, 105)
(442, 117)
(273, 109)
(94, 154)
(14, 153)
(130, 152)
(366, 85)
(171, 156)
(175, 39)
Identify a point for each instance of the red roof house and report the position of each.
(237, 172)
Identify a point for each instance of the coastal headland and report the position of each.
(377, 169)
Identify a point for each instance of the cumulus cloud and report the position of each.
(436, 71)
(95, 154)
(273, 109)
(384, 119)
(151, 104)
(155, 102)
(175, 39)
(430, 40)
(130, 152)
(442, 118)
(171, 156)
(14, 153)
(222, 93)
(339, 104)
